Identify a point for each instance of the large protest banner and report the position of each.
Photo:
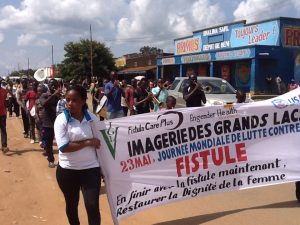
(157, 158)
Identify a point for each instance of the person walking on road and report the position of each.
(31, 96)
(160, 93)
(78, 167)
(129, 96)
(49, 101)
(143, 100)
(20, 94)
(13, 106)
(3, 112)
(114, 92)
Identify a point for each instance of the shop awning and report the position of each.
(137, 70)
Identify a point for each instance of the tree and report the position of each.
(77, 62)
(20, 73)
(150, 50)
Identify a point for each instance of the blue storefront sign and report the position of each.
(230, 36)
(195, 58)
(168, 61)
(235, 54)
(257, 34)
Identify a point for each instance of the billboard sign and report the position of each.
(188, 45)
(257, 34)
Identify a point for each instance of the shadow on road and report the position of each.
(13, 152)
(208, 217)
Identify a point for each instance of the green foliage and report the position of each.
(21, 73)
(150, 50)
(77, 62)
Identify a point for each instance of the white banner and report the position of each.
(157, 158)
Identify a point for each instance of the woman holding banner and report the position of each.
(78, 167)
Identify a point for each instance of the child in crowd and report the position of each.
(240, 96)
(170, 104)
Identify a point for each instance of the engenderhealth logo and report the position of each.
(280, 103)
(110, 138)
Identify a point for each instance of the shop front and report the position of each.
(130, 73)
(235, 67)
(246, 55)
(197, 64)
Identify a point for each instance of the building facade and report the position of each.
(243, 54)
(138, 64)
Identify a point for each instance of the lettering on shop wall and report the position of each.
(292, 36)
(223, 44)
(217, 45)
(191, 45)
(214, 31)
(264, 33)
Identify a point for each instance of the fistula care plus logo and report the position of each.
(110, 137)
(110, 134)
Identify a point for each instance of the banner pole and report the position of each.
(102, 169)
(108, 194)
(115, 219)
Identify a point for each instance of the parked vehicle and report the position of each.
(217, 90)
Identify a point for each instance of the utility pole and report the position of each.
(28, 67)
(52, 56)
(52, 66)
(91, 39)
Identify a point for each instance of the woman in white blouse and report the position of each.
(78, 167)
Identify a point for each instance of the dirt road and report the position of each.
(29, 195)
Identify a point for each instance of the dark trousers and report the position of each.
(32, 127)
(25, 121)
(48, 137)
(39, 127)
(298, 190)
(70, 183)
(3, 131)
(125, 110)
(13, 106)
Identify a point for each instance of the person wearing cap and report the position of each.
(114, 92)
(193, 94)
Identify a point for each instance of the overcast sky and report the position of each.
(29, 28)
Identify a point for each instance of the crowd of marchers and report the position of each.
(39, 103)
(56, 109)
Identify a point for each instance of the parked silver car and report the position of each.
(217, 90)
